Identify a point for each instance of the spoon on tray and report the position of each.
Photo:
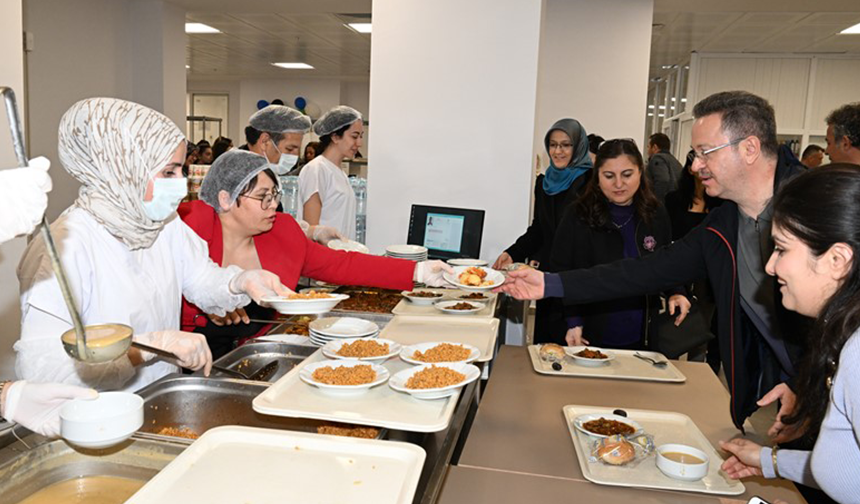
(655, 363)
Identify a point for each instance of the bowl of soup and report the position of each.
(682, 462)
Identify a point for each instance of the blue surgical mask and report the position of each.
(167, 193)
(285, 163)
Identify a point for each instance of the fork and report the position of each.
(659, 364)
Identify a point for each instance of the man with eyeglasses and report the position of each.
(737, 158)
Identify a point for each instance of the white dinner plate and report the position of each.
(332, 348)
(398, 381)
(304, 306)
(348, 246)
(492, 275)
(446, 307)
(306, 374)
(582, 419)
(343, 327)
(422, 301)
(406, 250)
(408, 351)
(571, 352)
(467, 262)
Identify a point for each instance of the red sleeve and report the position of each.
(352, 268)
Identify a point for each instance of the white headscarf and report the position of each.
(113, 148)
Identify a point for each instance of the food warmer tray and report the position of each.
(251, 357)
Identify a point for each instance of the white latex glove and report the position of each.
(36, 406)
(430, 273)
(325, 234)
(191, 348)
(24, 193)
(258, 284)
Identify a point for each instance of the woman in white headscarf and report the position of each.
(127, 258)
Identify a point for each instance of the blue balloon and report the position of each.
(300, 102)
(262, 104)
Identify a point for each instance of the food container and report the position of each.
(23, 474)
(192, 404)
(251, 357)
(683, 469)
(109, 419)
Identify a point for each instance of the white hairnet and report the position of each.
(231, 172)
(336, 119)
(280, 119)
(113, 148)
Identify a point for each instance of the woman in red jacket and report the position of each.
(237, 218)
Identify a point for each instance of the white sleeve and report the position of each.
(205, 283)
(311, 181)
(44, 318)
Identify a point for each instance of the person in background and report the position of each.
(663, 169)
(737, 157)
(812, 156)
(36, 406)
(843, 134)
(127, 258)
(236, 217)
(204, 152)
(221, 146)
(594, 142)
(325, 194)
(568, 173)
(252, 137)
(311, 150)
(190, 157)
(281, 132)
(816, 262)
(617, 216)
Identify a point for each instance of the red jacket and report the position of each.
(286, 251)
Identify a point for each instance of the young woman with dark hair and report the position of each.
(816, 229)
(616, 217)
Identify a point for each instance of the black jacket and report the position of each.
(536, 243)
(578, 245)
(708, 251)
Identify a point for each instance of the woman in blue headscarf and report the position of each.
(570, 167)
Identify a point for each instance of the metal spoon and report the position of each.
(114, 345)
(656, 363)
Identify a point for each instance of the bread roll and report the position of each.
(616, 451)
(551, 352)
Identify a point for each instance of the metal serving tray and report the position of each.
(251, 357)
(199, 404)
(24, 472)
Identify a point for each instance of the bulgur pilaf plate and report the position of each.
(345, 371)
(400, 381)
(439, 351)
(363, 349)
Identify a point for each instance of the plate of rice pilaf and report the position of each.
(434, 381)
(365, 349)
(439, 351)
(344, 377)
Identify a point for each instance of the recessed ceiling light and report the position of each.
(200, 28)
(187, 67)
(360, 27)
(294, 66)
(853, 30)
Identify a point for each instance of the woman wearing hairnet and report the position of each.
(127, 259)
(236, 217)
(324, 190)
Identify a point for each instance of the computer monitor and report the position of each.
(447, 233)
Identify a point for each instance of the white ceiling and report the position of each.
(312, 31)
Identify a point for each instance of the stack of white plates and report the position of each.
(328, 329)
(411, 252)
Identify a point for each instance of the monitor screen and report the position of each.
(446, 232)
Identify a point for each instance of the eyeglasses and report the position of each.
(267, 200)
(703, 155)
(562, 146)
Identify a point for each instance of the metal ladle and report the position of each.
(115, 339)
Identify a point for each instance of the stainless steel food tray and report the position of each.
(251, 357)
(23, 472)
(199, 404)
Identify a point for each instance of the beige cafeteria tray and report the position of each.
(275, 466)
(624, 367)
(478, 332)
(379, 407)
(408, 308)
(666, 427)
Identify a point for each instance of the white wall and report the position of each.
(593, 67)
(11, 75)
(452, 99)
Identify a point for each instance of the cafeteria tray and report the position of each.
(272, 466)
(624, 367)
(666, 427)
(407, 308)
(478, 332)
(197, 404)
(252, 356)
(379, 407)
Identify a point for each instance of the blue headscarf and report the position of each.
(558, 179)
